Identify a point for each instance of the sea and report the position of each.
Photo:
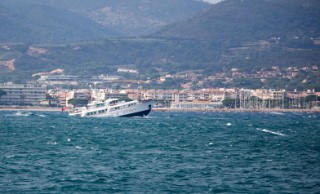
(165, 152)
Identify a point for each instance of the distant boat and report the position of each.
(114, 108)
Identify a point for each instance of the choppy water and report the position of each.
(167, 152)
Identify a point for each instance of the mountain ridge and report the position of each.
(248, 19)
(62, 21)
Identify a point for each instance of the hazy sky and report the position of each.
(212, 1)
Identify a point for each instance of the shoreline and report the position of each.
(30, 108)
(58, 109)
(233, 110)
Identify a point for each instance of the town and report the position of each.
(55, 89)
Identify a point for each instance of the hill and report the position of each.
(25, 22)
(250, 20)
(250, 35)
(134, 17)
(62, 21)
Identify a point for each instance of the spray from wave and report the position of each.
(272, 132)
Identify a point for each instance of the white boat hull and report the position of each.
(128, 109)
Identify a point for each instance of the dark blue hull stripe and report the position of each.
(138, 114)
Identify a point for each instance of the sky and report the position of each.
(212, 1)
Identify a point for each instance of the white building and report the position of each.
(197, 105)
(107, 78)
(23, 94)
(127, 70)
(58, 79)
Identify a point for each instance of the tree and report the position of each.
(125, 98)
(2, 93)
(311, 98)
(23, 97)
(230, 102)
(78, 102)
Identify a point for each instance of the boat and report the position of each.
(114, 108)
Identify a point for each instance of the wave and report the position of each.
(25, 114)
(40, 115)
(21, 114)
(272, 132)
(276, 113)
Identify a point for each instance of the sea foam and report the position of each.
(272, 132)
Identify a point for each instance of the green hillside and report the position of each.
(24, 22)
(63, 21)
(134, 17)
(249, 34)
(236, 21)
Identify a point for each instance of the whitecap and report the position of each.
(277, 113)
(272, 132)
(10, 156)
(78, 147)
(228, 124)
(149, 117)
(21, 114)
(40, 115)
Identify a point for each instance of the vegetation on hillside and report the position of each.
(249, 35)
(232, 22)
(63, 21)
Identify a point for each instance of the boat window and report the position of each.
(100, 105)
(101, 111)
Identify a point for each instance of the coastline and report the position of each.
(233, 110)
(58, 109)
(30, 108)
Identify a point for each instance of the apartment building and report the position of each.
(58, 79)
(23, 94)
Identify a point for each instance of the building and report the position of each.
(196, 105)
(115, 94)
(127, 70)
(60, 97)
(105, 78)
(168, 95)
(58, 80)
(23, 94)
